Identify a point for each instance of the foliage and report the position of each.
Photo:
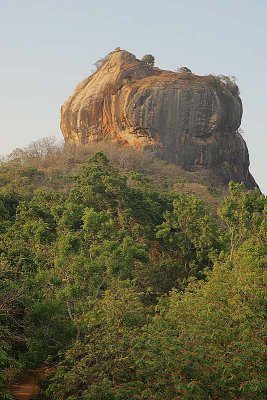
(191, 232)
(99, 63)
(227, 83)
(210, 341)
(148, 59)
(126, 291)
(184, 69)
(112, 326)
(243, 213)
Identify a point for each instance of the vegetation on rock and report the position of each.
(148, 59)
(184, 69)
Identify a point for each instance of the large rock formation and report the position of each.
(187, 119)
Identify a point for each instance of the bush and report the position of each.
(184, 69)
(226, 83)
(148, 59)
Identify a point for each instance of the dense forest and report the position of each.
(118, 283)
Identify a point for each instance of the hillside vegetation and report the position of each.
(123, 283)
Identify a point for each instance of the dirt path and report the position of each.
(25, 390)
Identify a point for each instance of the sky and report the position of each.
(47, 47)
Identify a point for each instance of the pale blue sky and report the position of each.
(47, 47)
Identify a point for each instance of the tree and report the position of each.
(190, 231)
(209, 343)
(98, 366)
(226, 83)
(242, 212)
(99, 63)
(184, 69)
(148, 59)
(86, 271)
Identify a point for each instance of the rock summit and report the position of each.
(184, 118)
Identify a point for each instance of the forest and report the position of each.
(115, 286)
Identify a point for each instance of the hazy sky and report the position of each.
(47, 47)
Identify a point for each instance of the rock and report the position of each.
(186, 119)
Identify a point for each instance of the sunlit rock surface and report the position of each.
(187, 119)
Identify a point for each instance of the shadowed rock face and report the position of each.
(187, 119)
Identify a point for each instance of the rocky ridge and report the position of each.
(184, 118)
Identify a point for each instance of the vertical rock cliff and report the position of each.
(187, 119)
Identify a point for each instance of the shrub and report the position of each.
(148, 59)
(184, 69)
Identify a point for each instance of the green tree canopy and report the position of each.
(148, 59)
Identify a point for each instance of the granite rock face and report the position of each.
(186, 119)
